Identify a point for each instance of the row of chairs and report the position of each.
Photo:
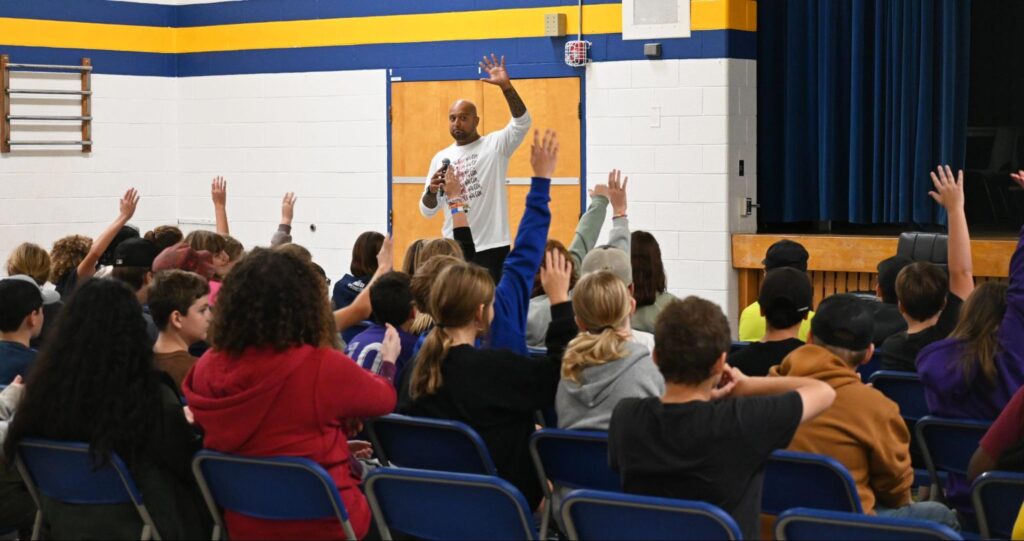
(569, 459)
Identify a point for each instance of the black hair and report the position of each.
(391, 299)
(18, 299)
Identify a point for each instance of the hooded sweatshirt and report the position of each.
(292, 403)
(862, 429)
(588, 405)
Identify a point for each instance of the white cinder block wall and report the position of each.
(321, 135)
(46, 193)
(678, 129)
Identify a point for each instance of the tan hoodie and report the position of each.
(862, 429)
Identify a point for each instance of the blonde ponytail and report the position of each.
(455, 296)
(602, 302)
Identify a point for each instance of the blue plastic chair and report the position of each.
(907, 391)
(592, 514)
(64, 471)
(948, 444)
(271, 488)
(813, 524)
(793, 479)
(442, 505)
(997, 498)
(571, 459)
(869, 368)
(430, 444)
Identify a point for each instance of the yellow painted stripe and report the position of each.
(426, 27)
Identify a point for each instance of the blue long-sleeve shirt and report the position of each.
(512, 295)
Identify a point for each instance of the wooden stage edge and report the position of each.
(839, 264)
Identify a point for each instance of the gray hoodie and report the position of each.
(588, 405)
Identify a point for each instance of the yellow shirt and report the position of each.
(1018, 526)
(753, 327)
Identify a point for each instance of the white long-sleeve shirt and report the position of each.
(483, 168)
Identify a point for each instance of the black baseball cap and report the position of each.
(786, 295)
(888, 270)
(786, 253)
(135, 253)
(18, 299)
(844, 321)
(125, 233)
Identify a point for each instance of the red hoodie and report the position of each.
(292, 403)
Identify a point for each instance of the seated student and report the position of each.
(31, 259)
(495, 391)
(391, 299)
(603, 365)
(785, 302)
(930, 298)
(888, 318)
(708, 436)
(784, 253)
(274, 383)
(583, 242)
(164, 236)
(617, 262)
(94, 382)
(235, 250)
(17, 509)
(923, 292)
(179, 304)
(649, 283)
(362, 268)
(22, 304)
(133, 265)
(863, 429)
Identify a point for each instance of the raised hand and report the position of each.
(452, 184)
(386, 256)
(219, 191)
(544, 154)
(391, 346)
(1018, 177)
(617, 192)
(497, 75)
(288, 208)
(555, 276)
(127, 205)
(948, 192)
(599, 190)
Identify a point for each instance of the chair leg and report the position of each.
(216, 532)
(38, 526)
(145, 533)
(545, 518)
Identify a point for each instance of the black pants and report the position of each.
(492, 260)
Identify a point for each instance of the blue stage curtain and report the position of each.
(857, 101)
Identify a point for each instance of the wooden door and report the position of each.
(419, 116)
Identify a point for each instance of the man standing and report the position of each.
(481, 164)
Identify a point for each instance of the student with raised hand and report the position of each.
(360, 308)
(361, 269)
(219, 194)
(583, 242)
(86, 268)
(95, 382)
(283, 235)
(274, 383)
(708, 436)
(603, 365)
(495, 391)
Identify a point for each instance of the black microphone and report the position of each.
(444, 169)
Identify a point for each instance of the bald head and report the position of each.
(463, 122)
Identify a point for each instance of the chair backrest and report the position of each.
(443, 505)
(799, 524)
(948, 444)
(64, 471)
(794, 479)
(430, 444)
(905, 389)
(868, 369)
(930, 247)
(997, 498)
(271, 488)
(573, 459)
(592, 514)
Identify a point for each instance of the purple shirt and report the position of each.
(951, 393)
(364, 349)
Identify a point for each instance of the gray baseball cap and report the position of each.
(611, 259)
(49, 296)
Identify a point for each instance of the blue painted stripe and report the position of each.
(91, 11)
(411, 60)
(531, 57)
(104, 62)
(251, 11)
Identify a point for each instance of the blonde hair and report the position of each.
(422, 284)
(464, 287)
(30, 259)
(67, 253)
(602, 302)
(438, 247)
